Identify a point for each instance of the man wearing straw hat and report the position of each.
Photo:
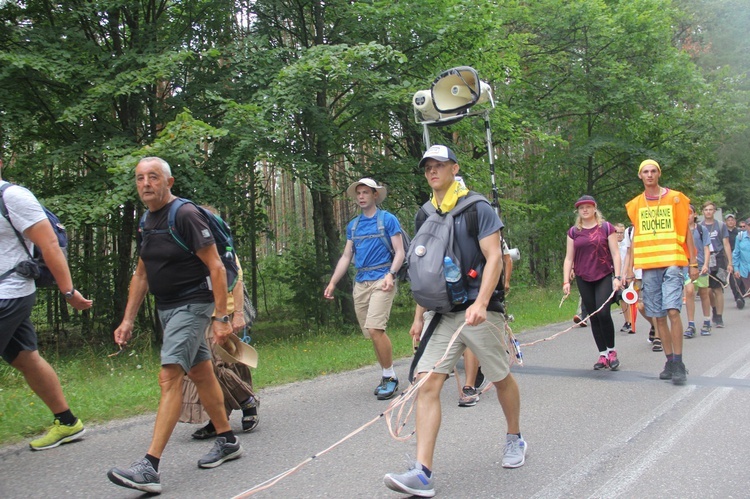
(662, 246)
(377, 266)
(189, 287)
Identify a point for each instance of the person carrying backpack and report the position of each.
(235, 378)
(27, 223)
(367, 238)
(480, 261)
(189, 284)
(720, 266)
(702, 243)
(741, 256)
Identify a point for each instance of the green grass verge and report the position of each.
(99, 388)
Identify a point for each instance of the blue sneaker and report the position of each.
(387, 388)
(706, 329)
(414, 482)
(690, 332)
(381, 386)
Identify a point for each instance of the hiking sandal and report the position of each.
(657, 345)
(250, 422)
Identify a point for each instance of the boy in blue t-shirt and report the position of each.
(375, 283)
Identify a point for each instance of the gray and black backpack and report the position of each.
(432, 242)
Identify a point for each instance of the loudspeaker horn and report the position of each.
(424, 110)
(458, 89)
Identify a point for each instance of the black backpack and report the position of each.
(34, 267)
(219, 229)
(472, 225)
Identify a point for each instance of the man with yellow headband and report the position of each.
(483, 328)
(662, 246)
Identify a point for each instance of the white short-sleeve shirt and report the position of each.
(24, 211)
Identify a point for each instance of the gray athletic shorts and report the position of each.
(184, 334)
(16, 330)
(487, 341)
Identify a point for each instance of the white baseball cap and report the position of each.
(439, 153)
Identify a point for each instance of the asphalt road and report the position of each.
(590, 433)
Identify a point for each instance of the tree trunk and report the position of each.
(123, 270)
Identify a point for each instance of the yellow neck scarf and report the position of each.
(455, 191)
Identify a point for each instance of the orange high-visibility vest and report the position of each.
(660, 229)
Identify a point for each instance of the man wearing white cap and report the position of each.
(373, 240)
(480, 319)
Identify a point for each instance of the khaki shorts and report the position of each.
(373, 305)
(487, 341)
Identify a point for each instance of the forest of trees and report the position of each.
(268, 109)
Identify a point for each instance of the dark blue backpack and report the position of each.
(34, 267)
(219, 229)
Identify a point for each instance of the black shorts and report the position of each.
(16, 330)
(714, 282)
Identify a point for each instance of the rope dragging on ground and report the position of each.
(512, 347)
(541, 340)
(395, 427)
(396, 420)
(738, 284)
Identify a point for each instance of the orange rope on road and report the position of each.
(397, 423)
(395, 427)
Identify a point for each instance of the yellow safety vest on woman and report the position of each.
(660, 229)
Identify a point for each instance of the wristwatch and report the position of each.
(70, 294)
(223, 318)
(393, 273)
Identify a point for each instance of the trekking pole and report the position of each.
(491, 156)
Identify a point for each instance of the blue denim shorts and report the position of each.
(662, 290)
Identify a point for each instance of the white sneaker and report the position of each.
(515, 452)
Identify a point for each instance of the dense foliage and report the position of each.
(267, 109)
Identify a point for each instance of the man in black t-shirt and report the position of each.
(187, 287)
